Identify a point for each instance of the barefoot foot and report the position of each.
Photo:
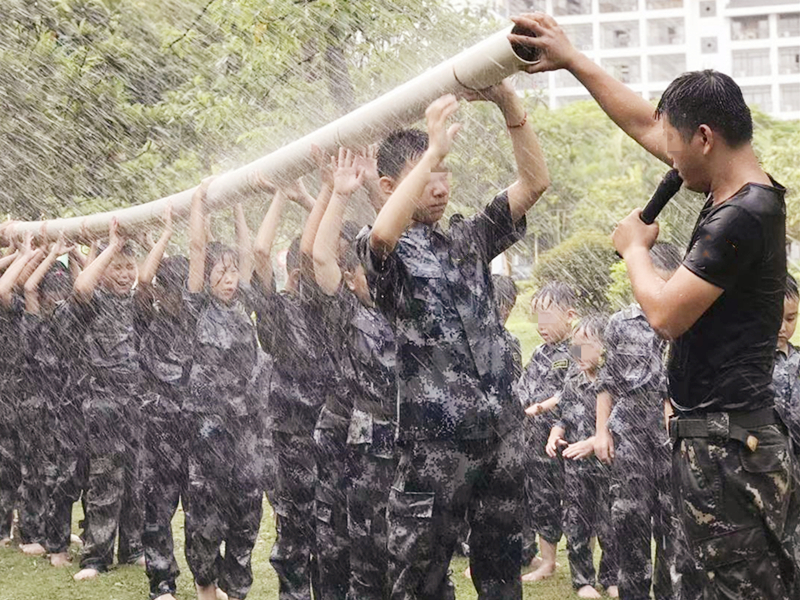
(60, 559)
(544, 571)
(33, 549)
(612, 591)
(206, 592)
(75, 539)
(222, 595)
(85, 574)
(5, 542)
(588, 591)
(468, 573)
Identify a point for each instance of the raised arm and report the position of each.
(533, 177)
(398, 212)
(6, 261)
(148, 270)
(266, 238)
(632, 113)
(197, 239)
(245, 246)
(314, 219)
(33, 282)
(11, 276)
(87, 282)
(347, 178)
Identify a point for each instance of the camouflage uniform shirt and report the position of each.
(577, 407)
(786, 379)
(10, 351)
(454, 365)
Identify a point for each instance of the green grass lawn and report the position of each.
(26, 578)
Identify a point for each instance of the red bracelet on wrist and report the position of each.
(521, 124)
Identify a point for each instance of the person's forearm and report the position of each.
(312, 224)
(605, 404)
(9, 279)
(533, 176)
(326, 245)
(87, 282)
(197, 243)
(245, 246)
(398, 212)
(32, 285)
(266, 238)
(148, 271)
(550, 403)
(6, 261)
(33, 264)
(632, 113)
(646, 284)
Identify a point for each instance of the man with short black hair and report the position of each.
(731, 462)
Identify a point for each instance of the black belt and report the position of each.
(724, 426)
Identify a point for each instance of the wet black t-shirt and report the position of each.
(724, 361)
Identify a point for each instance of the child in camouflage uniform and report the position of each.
(786, 376)
(586, 495)
(227, 386)
(543, 379)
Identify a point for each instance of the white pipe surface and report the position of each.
(478, 67)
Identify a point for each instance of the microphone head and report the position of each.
(671, 182)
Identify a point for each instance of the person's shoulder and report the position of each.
(755, 201)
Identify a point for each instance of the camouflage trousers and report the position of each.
(330, 510)
(437, 482)
(114, 493)
(587, 513)
(224, 499)
(734, 507)
(36, 452)
(544, 488)
(164, 476)
(367, 500)
(66, 475)
(9, 468)
(292, 553)
(643, 510)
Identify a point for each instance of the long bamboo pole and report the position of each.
(478, 67)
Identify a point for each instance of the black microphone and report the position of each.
(668, 187)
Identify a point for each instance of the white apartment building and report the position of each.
(647, 43)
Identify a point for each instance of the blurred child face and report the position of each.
(552, 321)
(587, 351)
(357, 283)
(223, 280)
(120, 275)
(789, 324)
(433, 201)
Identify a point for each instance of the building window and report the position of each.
(751, 63)
(789, 60)
(790, 97)
(620, 35)
(607, 6)
(580, 35)
(516, 7)
(572, 7)
(666, 67)
(566, 79)
(708, 45)
(750, 28)
(663, 4)
(565, 100)
(627, 69)
(665, 32)
(789, 25)
(760, 96)
(708, 8)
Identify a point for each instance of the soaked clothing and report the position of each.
(106, 325)
(724, 362)
(228, 385)
(10, 378)
(786, 379)
(587, 504)
(642, 505)
(542, 379)
(458, 417)
(454, 365)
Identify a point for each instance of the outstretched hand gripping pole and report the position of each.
(483, 65)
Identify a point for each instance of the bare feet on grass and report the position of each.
(140, 562)
(544, 571)
(75, 539)
(33, 549)
(612, 591)
(85, 574)
(5, 542)
(60, 559)
(588, 591)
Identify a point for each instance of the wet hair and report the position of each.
(293, 255)
(172, 274)
(556, 294)
(593, 325)
(215, 253)
(128, 249)
(791, 291)
(666, 257)
(57, 281)
(505, 292)
(400, 148)
(711, 98)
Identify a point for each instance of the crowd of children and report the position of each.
(377, 399)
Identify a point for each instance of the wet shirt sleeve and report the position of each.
(493, 228)
(385, 277)
(726, 243)
(605, 376)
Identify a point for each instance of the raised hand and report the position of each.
(297, 193)
(556, 51)
(114, 237)
(497, 93)
(322, 159)
(61, 246)
(347, 175)
(368, 162)
(439, 134)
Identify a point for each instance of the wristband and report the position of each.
(521, 124)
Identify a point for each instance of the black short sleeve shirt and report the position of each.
(724, 361)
